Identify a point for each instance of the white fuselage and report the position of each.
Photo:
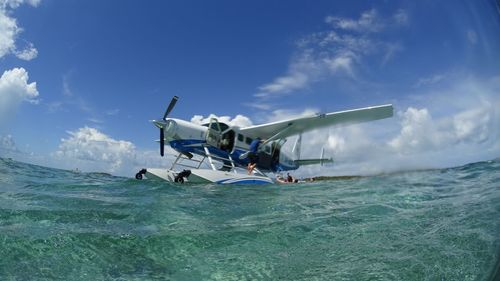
(220, 139)
(181, 129)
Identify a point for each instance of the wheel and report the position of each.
(179, 179)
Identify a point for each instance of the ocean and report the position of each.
(423, 225)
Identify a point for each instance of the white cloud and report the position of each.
(92, 154)
(466, 136)
(7, 145)
(54, 106)
(66, 88)
(16, 3)
(457, 125)
(14, 88)
(401, 17)
(302, 71)
(419, 132)
(340, 63)
(474, 125)
(466, 128)
(90, 150)
(27, 54)
(34, 3)
(426, 81)
(336, 52)
(88, 144)
(284, 84)
(15, 82)
(9, 30)
(335, 143)
(112, 112)
(9, 148)
(367, 22)
(95, 120)
(391, 49)
(238, 121)
(259, 105)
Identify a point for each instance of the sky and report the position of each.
(80, 80)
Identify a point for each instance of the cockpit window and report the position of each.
(223, 126)
(214, 126)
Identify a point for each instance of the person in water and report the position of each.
(280, 179)
(289, 179)
(253, 155)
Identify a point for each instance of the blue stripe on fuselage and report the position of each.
(195, 146)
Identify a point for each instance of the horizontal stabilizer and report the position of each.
(321, 161)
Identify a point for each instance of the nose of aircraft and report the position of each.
(170, 128)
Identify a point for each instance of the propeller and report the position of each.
(170, 107)
(162, 142)
(162, 133)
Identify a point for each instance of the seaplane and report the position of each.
(216, 152)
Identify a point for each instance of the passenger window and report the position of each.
(240, 137)
(248, 140)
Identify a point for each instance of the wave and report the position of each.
(437, 224)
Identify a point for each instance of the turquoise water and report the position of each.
(427, 225)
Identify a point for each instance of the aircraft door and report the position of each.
(227, 142)
(220, 135)
(214, 133)
(270, 154)
(276, 151)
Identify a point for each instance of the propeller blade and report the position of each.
(170, 106)
(162, 142)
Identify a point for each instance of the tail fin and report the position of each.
(296, 147)
(322, 155)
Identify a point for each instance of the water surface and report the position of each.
(426, 225)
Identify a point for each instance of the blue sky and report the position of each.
(104, 68)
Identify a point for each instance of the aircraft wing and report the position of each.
(287, 128)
